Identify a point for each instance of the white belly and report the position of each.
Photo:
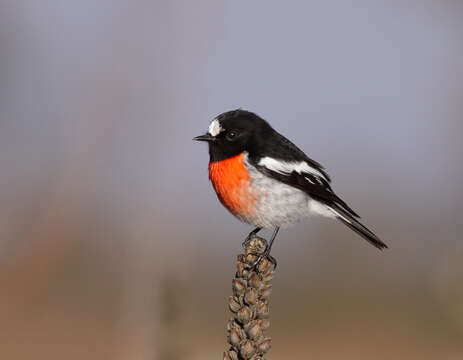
(280, 205)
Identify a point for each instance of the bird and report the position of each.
(266, 181)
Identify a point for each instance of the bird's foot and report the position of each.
(247, 241)
(257, 250)
(245, 244)
(261, 257)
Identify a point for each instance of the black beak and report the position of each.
(205, 137)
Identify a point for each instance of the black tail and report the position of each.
(355, 225)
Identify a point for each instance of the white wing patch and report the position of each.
(285, 167)
(215, 128)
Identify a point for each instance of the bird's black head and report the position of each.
(233, 132)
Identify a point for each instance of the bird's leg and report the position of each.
(266, 253)
(250, 235)
(269, 248)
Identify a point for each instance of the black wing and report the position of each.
(320, 190)
(285, 162)
(279, 147)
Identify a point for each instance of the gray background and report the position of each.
(112, 242)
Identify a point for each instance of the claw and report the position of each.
(246, 241)
(272, 260)
(261, 257)
(253, 233)
(260, 254)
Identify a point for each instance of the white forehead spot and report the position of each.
(215, 128)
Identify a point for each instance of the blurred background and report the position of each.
(112, 242)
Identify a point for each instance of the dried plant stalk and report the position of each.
(249, 304)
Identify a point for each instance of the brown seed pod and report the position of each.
(242, 270)
(254, 330)
(256, 245)
(265, 291)
(264, 324)
(262, 310)
(234, 304)
(239, 286)
(268, 276)
(250, 258)
(230, 355)
(231, 324)
(244, 315)
(255, 281)
(247, 349)
(264, 265)
(264, 346)
(250, 297)
(235, 337)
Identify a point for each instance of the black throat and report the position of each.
(218, 153)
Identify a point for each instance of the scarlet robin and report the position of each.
(265, 180)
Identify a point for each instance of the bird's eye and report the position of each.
(231, 135)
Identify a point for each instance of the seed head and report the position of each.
(249, 304)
